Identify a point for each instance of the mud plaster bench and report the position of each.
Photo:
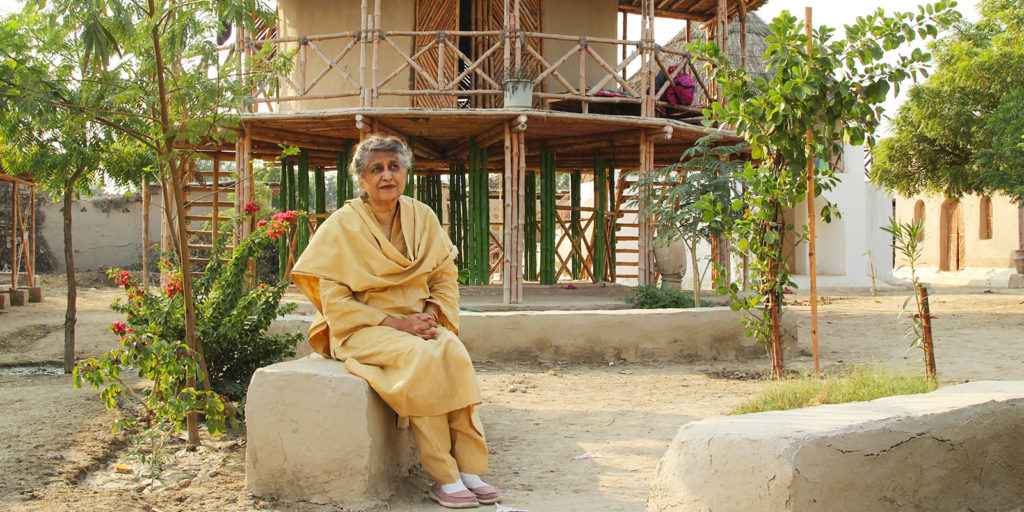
(958, 448)
(317, 433)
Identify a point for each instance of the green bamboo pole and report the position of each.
(484, 219)
(320, 192)
(547, 216)
(282, 205)
(463, 208)
(292, 194)
(409, 186)
(530, 227)
(346, 188)
(302, 187)
(612, 244)
(600, 206)
(574, 222)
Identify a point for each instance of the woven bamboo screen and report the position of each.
(434, 15)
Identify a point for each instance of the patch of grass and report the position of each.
(861, 384)
(652, 297)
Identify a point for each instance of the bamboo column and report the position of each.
(574, 222)
(612, 257)
(363, 35)
(645, 270)
(547, 215)
(374, 86)
(512, 286)
(30, 262)
(283, 201)
(410, 177)
(302, 201)
(15, 217)
(346, 189)
(319, 193)
(530, 226)
(457, 213)
(811, 221)
(479, 219)
(600, 208)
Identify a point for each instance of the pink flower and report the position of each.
(251, 207)
(261, 223)
(119, 328)
(173, 286)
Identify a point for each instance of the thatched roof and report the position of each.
(757, 31)
(697, 10)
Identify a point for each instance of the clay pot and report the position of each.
(1017, 258)
(671, 260)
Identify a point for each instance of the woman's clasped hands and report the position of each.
(423, 325)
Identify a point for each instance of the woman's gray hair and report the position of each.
(375, 143)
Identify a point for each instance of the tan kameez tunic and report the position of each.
(355, 276)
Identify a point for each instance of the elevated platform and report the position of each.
(443, 135)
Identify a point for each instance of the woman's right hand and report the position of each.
(420, 324)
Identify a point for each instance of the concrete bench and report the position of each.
(958, 448)
(317, 433)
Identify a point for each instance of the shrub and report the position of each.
(652, 297)
(859, 385)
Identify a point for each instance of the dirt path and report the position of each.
(56, 452)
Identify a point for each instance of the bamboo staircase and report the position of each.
(205, 210)
(627, 228)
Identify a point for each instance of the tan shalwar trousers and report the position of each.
(451, 443)
(411, 374)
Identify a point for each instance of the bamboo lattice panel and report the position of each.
(432, 15)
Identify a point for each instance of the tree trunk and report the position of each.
(71, 312)
(692, 246)
(145, 232)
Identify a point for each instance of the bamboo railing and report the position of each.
(470, 76)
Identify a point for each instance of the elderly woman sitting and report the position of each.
(381, 272)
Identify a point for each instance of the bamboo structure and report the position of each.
(22, 231)
(437, 82)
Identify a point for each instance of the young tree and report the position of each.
(166, 85)
(703, 174)
(60, 148)
(822, 93)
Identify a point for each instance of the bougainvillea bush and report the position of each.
(233, 314)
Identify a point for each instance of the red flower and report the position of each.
(261, 223)
(173, 286)
(119, 328)
(251, 207)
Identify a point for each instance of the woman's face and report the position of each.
(384, 179)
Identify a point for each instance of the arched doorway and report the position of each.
(952, 250)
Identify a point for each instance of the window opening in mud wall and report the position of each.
(919, 218)
(985, 218)
(952, 247)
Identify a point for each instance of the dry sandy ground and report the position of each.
(56, 452)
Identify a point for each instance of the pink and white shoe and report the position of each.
(461, 499)
(487, 494)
